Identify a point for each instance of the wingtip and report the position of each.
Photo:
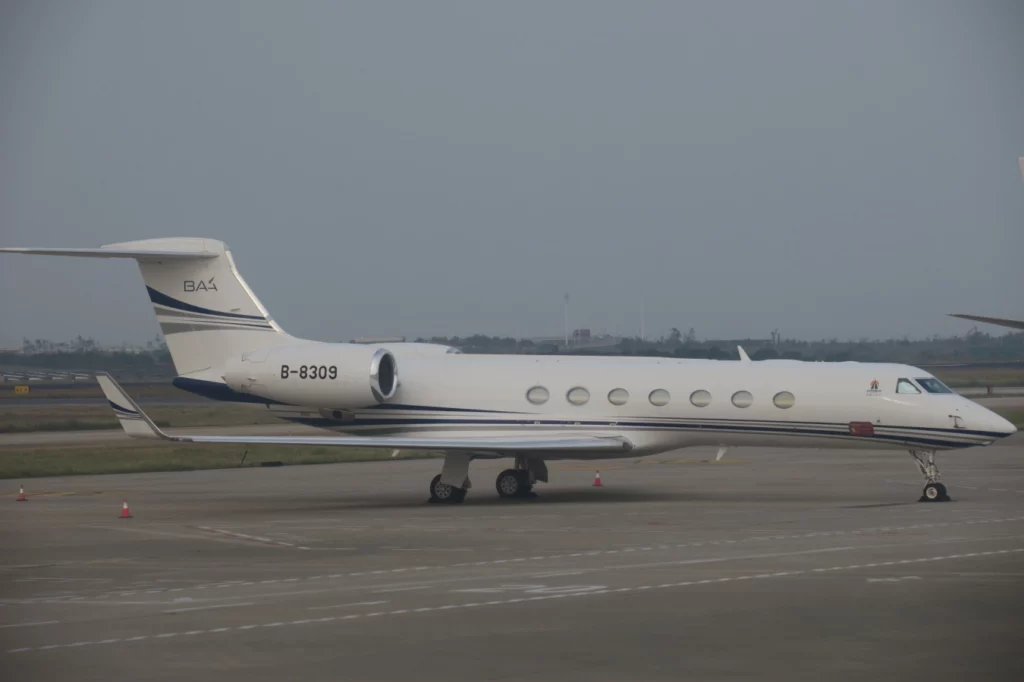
(133, 420)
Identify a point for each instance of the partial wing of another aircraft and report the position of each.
(1012, 324)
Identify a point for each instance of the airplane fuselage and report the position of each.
(659, 404)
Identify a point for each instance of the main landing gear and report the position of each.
(451, 485)
(514, 483)
(933, 490)
(444, 493)
(519, 481)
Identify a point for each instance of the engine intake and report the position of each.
(383, 375)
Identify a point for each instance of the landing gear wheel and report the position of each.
(934, 492)
(513, 483)
(443, 493)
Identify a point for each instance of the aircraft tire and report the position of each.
(441, 493)
(934, 492)
(509, 483)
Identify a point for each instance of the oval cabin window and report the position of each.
(538, 395)
(659, 397)
(784, 400)
(578, 396)
(742, 399)
(618, 396)
(700, 398)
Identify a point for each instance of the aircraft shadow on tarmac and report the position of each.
(399, 500)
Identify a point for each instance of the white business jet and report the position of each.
(531, 408)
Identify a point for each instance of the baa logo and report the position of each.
(192, 285)
(873, 387)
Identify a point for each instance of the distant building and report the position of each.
(580, 336)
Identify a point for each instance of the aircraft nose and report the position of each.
(992, 422)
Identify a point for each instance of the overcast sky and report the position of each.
(839, 169)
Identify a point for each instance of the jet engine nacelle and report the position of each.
(345, 376)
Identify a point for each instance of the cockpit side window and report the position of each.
(906, 386)
(933, 385)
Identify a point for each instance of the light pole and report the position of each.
(566, 311)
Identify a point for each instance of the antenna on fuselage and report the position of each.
(743, 354)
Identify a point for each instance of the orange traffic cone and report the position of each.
(597, 479)
(21, 494)
(125, 513)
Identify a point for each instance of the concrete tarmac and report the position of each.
(768, 565)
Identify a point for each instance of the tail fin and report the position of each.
(206, 310)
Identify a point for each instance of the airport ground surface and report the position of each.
(803, 565)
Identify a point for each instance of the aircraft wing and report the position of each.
(138, 425)
(1012, 324)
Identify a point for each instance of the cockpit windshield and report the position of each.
(933, 385)
(906, 386)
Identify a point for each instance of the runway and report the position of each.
(771, 564)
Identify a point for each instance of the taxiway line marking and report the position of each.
(246, 536)
(342, 606)
(207, 608)
(516, 600)
(500, 562)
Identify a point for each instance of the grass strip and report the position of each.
(150, 457)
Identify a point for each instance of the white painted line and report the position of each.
(342, 606)
(206, 608)
(77, 599)
(29, 625)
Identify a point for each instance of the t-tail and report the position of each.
(206, 310)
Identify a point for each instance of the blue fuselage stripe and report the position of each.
(367, 425)
(165, 300)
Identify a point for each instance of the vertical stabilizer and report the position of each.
(205, 309)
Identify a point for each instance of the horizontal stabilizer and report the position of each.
(145, 256)
(138, 425)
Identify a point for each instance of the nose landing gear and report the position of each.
(933, 490)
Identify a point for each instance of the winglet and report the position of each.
(743, 354)
(133, 420)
